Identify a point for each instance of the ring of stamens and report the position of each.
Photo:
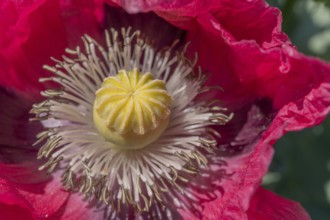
(117, 177)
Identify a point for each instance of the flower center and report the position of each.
(131, 109)
(131, 126)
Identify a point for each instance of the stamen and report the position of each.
(149, 175)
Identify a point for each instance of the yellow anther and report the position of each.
(131, 109)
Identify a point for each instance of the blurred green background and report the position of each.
(301, 166)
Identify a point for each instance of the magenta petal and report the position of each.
(29, 195)
(76, 208)
(79, 17)
(246, 69)
(248, 56)
(9, 198)
(241, 53)
(180, 7)
(266, 205)
(33, 34)
(35, 31)
(247, 170)
(39, 195)
(14, 212)
(254, 20)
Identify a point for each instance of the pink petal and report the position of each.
(266, 205)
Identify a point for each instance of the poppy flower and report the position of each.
(158, 110)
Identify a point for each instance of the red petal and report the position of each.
(10, 197)
(14, 212)
(248, 56)
(246, 66)
(180, 7)
(76, 208)
(251, 59)
(34, 34)
(249, 167)
(241, 53)
(247, 170)
(34, 31)
(12, 206)
(254, 19)
(266, 205)
(32, 197)
(79, 18)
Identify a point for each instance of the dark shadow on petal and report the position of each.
(246, 127)
(17, 134)
(159, 32)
